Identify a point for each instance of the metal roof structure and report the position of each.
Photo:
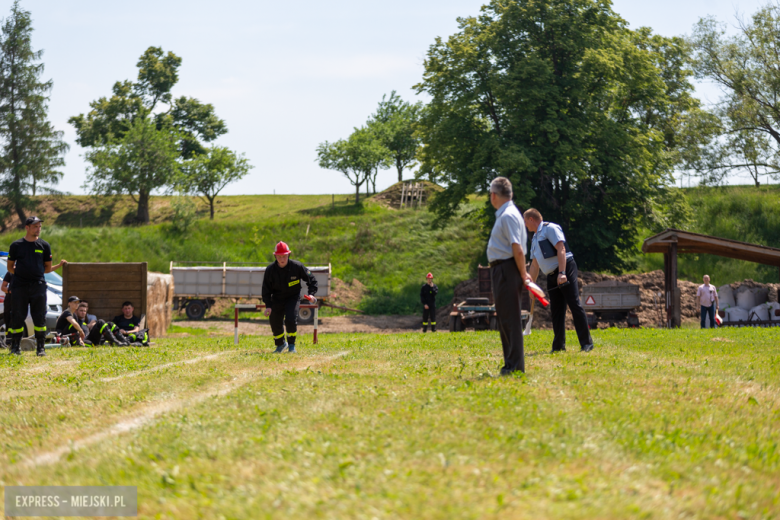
(687, 242)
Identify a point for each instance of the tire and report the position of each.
(306, 316)
(459, 327)
(196, 309)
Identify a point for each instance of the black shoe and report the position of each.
(587, 348)
(553, 351)
(425, 330)
(41, 351)
(280, 348)
(16, 348)
(291, 348)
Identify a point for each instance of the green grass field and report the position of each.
(652, 424)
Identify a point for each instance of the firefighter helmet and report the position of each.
(282, 249)
(429, 276)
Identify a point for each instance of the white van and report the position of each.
(53, 300)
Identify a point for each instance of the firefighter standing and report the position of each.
(428, 298)
(282, 295)
(29, 259)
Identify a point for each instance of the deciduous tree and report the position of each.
(359, 157)
(583, 115)
(144, 159)
(746, 66)
(208, 174)
(150, 97)
(394, 125)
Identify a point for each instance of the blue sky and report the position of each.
(285, 76)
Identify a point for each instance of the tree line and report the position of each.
(140, 140)
(590, 119)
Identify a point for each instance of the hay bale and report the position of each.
(159, 303)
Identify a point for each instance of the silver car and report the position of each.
(53, 299)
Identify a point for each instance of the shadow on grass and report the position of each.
(339, 209)
(91, 217)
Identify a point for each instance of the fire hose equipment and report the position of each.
(282, 249)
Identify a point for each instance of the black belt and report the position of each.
(570, 259)
(499, 262)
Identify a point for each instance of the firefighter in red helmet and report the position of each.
(282, 295)
(428, 298)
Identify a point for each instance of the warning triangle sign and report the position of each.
(590, 301)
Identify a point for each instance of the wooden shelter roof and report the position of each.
(696, 243)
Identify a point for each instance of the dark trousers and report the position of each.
(33, 296)
(568, 295)
(711, 312)
(285, 315)
(507, 287)
(429, 317)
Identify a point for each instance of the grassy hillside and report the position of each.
(744, 213)
(389, 251)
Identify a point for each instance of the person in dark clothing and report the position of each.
(428, 294)
(80, 331)
(282, 295)
(67, 324)
(128, 325)
(29, 259)
(551, 254)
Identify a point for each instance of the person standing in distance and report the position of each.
(428, 298)
(282, 295)
(29, 259)
(707, 298)
(506, 254)
(551, 254)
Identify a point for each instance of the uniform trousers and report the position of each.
(284, 314)
(560, 298)
(507, 288)
(34, 296)
(429, 317)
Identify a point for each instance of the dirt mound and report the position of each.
(346, 294)
(391, 197)
(651, 287)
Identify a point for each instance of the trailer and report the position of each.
(197, 287)
(480, 313)
(611, 302)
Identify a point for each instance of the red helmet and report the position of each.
(429, 275)
(282, 249)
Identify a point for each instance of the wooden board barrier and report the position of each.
(105, 286)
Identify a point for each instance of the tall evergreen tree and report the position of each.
(31, 149)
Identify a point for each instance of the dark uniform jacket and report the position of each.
(428, 294)
(30, 258)
(281, 284)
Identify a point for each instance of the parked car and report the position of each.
(53, 299)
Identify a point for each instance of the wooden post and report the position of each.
(675, 293)
(667, 292)
(403, 195)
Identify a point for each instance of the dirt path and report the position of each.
(261, 327)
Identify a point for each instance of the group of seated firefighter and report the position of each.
(82, 328)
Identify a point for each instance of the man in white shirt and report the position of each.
(506, 254)
(707, 297)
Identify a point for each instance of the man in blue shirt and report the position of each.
(551, 254)
(506, 254)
